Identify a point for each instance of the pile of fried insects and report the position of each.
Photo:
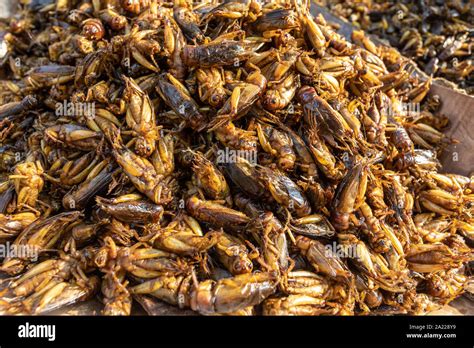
(437, 34)
(236, 158)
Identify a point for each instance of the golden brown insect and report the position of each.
(349, 195)
(48, 286)
(210, 180)
(37, 237)
(74, 136)
(231, 294)
(211, 86)
(323, 259)
(28, 182)
(178, 98)
(142, 173)
(140, 118)
(188, 20)
(131, 208)
(216, 214)
(233, 254)
(242, 98)
(12, 225)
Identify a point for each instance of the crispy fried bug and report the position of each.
(231, 157)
